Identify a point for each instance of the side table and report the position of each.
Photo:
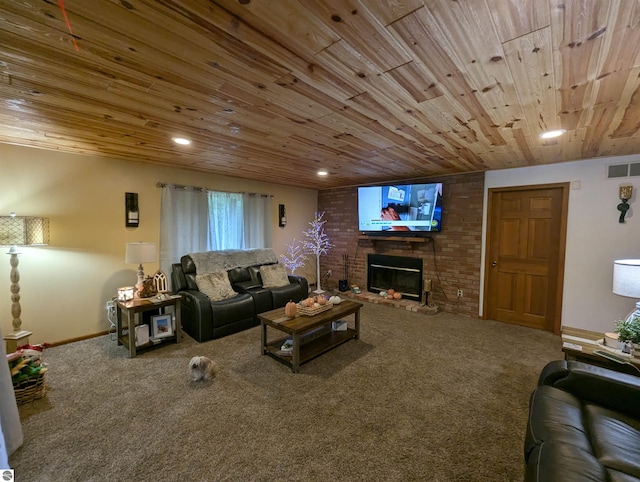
(582, 345)
(128, 316)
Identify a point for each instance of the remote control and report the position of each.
(611, 356)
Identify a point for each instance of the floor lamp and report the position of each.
(20, 231)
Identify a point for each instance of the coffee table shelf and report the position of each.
(300, 326)
(312, 349)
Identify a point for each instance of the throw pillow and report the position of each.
(215, 285)
(274, 275)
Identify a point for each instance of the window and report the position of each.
(195, 220)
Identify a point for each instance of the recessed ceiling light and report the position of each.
(551, 134)
(322, 173)
(182, 141)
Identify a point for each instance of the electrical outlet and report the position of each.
(460, 293)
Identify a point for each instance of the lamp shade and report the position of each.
(138, 253)
(626, 277)
(24, 231)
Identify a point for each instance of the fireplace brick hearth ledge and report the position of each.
(408, 305)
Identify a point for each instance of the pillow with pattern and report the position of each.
(274, 275)
(215, 285)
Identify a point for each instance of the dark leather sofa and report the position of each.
(584, 425)
(203, 319)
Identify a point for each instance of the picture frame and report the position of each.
(161, 326)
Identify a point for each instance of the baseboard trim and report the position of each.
(79, 338)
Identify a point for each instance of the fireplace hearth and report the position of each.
(403, 274)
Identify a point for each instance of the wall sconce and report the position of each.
(132, 213)
(623, 207)
(282, 216)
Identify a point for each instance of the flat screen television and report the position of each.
(400, 209)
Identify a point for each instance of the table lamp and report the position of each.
(138, 253)
(626, 282)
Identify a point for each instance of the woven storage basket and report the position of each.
(30, 389)
(303, 310)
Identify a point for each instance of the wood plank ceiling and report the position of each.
(369, 90)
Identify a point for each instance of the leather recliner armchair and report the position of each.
(584, 425)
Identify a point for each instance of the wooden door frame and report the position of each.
(565, 186)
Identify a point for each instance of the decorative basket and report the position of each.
(305, 311)
(30, 389)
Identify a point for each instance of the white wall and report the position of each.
(595, 238)
(65, 286)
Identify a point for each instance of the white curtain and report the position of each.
(194, 220)
(257, 221)
(183, 224)
(10, 427)
(226, 226)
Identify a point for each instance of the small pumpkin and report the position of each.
(308, 302)
(391, 291)
(397, 295)
(389, 297)
(290, 309)
(322, 300)
(335, 300)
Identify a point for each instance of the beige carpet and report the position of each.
(418, 397)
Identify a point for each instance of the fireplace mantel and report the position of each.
(395, 239)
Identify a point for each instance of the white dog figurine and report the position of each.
(202, 368)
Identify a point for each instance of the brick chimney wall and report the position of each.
(451, 260)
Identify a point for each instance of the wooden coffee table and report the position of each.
(301, 326)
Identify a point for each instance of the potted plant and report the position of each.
(629, 333)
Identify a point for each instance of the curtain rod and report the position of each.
(204, 189)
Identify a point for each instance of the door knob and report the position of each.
(494, 264)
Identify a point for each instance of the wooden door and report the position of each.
(524, 267)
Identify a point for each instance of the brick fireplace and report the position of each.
(451, 260)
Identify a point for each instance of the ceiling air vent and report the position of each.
(618, 170)
(634, 169)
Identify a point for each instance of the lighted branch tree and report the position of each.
(317, 242)
(295, 257)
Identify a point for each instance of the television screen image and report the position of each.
(400, 208)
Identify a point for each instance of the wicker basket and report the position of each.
(30, 389)
(305, 311)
